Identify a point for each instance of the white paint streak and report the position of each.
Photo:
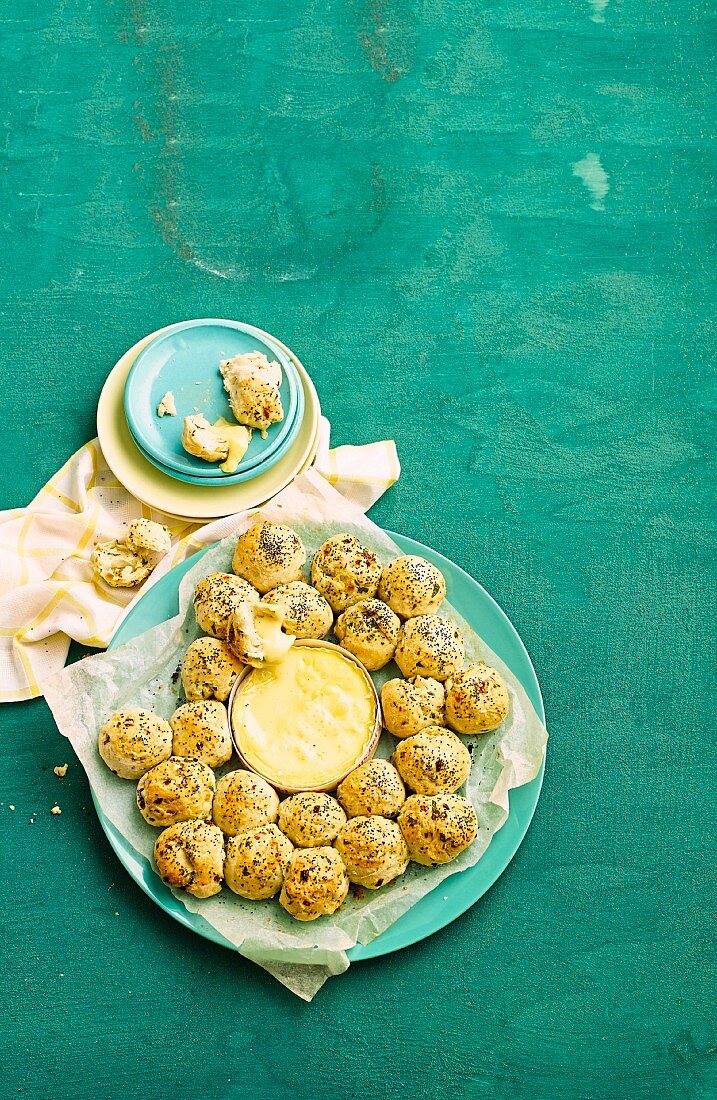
(595, 178)
(230, 273)
(599, 7)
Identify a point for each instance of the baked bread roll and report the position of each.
(437, 828)
(201, 732)
(373, 851)
(344, 571)
(255, 862)
(133, 741)
(477, 700)
(175, 790)
(430, 646)
(306, 613)
(409, 706)
(190, 856)
(315, 883)
(209, 670)
(412, 586)
(269, 554)
(150, 540)
(373, 788)
(244, 801)
(369, 629)
(216, 596)
(433, 761)
(311, 820)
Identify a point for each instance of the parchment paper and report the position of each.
(143, 672)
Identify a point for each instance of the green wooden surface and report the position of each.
(487, 231)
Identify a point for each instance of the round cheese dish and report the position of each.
(306, 722)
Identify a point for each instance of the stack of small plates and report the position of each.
(143, 450)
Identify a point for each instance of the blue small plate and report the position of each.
(455, 894)
(240, 474)
(185, 361)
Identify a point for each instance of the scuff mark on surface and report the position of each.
(595, 178)
(169, 164)
(599, 7)
(135, 29)
(298, 276)
(379, 44)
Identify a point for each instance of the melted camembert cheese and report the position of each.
(303, 723)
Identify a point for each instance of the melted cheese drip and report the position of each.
(237, 437)
(267, 623)
(305, 722)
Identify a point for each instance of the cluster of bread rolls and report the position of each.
(309, 847)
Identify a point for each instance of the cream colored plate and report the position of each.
(178, 498)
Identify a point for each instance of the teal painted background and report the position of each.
(488, 232)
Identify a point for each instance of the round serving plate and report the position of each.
(242, 473)
(196, 502)
(185, 361)
(455, 894)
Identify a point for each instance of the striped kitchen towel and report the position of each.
(47, 592)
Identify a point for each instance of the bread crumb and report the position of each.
(61, 770)
(11, 806)
(55, 810)
(166, 406)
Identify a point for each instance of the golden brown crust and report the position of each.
(215, 598)
(269, 554)
(311, 820)
(373, 788)
(244, 801)
(175, 790)
(412, 586)
(477, 700)
(369, 629)
(373, 850)
(201, 732)
(345, 572)
(430, 645)
(209, 670)
(132, 741)
(437, 828)
(410, 705)
(256, 861)
(433, 761)
(190, 856)
(306, 613)
(315, 883)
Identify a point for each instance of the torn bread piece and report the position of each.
(118, 565)
(202, 440)
(252, 383)
(255, 636)
(125, 563)
(151, 540)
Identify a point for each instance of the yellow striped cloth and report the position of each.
(47, 592)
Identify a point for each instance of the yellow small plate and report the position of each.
(198, 502)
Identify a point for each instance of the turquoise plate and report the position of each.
(185, 361)
(241, 474)
(454, 895)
